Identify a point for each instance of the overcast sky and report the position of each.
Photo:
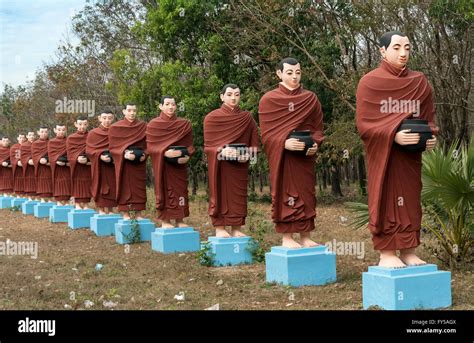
(30, 32)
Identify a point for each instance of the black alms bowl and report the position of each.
(416, 126)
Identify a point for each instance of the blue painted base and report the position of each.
(18, 201)
(79, 219)
(230, 251)
(123, 230)
(104, 224)
(301, 267)
(28, 207)
(183, 239)
(41, 210)
(410, 288)
(6, 202)
(58, 213)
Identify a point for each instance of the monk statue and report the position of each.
(18, 179)
(291, 122)
(103, 170)
(39, 153)
(28, 166)
(60, 171)
(127, 145)
(389, 98)
(170, 145)
(230, 142)
(79, 164)
(6, 174)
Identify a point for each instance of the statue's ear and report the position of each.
(279, 73)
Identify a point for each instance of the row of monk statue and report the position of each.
(108, 163)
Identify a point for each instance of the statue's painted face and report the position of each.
(130, 112)
(168, 107)
(60, 131)
(30, 136)
(231, 97)
(290, 76)
(81, 125)
(5, 142)
(43, 133)
(106, 119)
(398, 52)
(21, 139)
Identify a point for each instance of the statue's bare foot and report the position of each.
(306, 240)
(222, 233)
(166, 225)
(237, 233)
(289, 242)
(182, 224)
(410, 258)
(102, 212)
(391, 262)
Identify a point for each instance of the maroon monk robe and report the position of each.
(6, 173)
(292, 176)
(28, 171)
(103, 173)
(130, 176)
(44, 182)
(61, 174)
(18, 179)
(171, 179)
(394, 176)
(80, 173)
(228, 179)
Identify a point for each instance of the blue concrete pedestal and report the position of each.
(123, 230)
(79, 219)
(104, 224)
(180, 239)
(230, 251)
(28, 207)
(58, 213)
(6, 202)
(410, 288)
(301, 267)
(41, 209)
(18, 201)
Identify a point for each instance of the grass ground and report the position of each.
(64, 275)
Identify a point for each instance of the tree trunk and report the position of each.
(361, 174)
(324, 179)
(336, 181)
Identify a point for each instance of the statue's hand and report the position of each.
(106, 159)
(129, 155)
(59, 163)
(30, 162)
(4, 164)
(403, 137)
(172, 153)
(82, 160)
(294, 144)
(229, 152)
(43, 160)
(431, 143)
(312, 151)
(183, 160)
(19, 164)
(243, 158)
